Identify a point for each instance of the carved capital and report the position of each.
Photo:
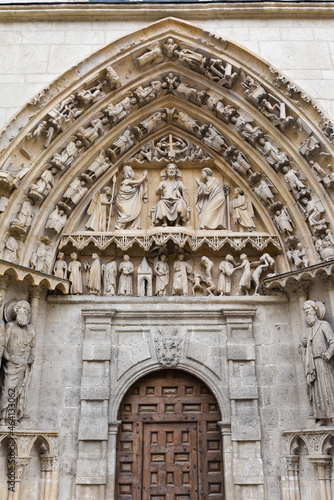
(301, 288)
(48, 462)
(35, 291)
(113, 427)
(4, 281)
(328, 279)
(20, 463)
(292, 463)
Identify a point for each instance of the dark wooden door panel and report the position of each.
(169, 444)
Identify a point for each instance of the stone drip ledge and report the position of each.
(118, 12)
(176, 302)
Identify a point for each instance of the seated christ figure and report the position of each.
(173, 207)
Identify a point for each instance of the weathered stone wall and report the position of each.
(35, 53)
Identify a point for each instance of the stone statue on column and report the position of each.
(18, 359)
(318, 354)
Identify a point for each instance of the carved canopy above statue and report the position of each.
(182, 96)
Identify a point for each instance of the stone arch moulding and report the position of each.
(170, 78)
(202, 373)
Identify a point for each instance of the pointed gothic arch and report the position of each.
(252, 108)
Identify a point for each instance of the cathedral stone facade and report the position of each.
(166, 264)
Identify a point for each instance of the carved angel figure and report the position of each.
(276, 158)
(169, 47)
(117, 112)
(238, 161)
(150, 124)
(243, 126)
(19, 353)
(242, 210)
(99, 165)
(292, 178)
(312, 209)
(97, 210)
(76, 190)
(183, 89)
(122, 144)
(263, 188)
(214, 139)
(173, 207)
(130, 198)
(185, 121)
(210, 201)
(154, 55)
(283, 221)
(56, 220)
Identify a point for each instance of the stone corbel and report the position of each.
(323, 464)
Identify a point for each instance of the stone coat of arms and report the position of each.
(168, 349)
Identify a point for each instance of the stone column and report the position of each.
(20, 463)
(34, 296)
(4, 282)
(111, 459)
(245, 437)
(48, 486)
(226, 433)
(290, 483)
(92, 461)
(323, 464)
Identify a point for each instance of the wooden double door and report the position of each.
(169, 444)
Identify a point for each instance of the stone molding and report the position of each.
(15, 272)
(117, 12)
(301, 280)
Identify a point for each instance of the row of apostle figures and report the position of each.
(172, 208)
(186, 279)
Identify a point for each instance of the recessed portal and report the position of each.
(169, 445)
